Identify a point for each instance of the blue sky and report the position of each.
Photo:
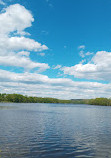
(56, 48)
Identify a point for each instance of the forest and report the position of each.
(18, 98)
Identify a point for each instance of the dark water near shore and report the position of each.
(55, 131)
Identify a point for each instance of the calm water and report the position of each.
(55, 131)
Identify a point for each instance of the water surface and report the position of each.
(54, 131)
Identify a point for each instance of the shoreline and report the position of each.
(18, 98)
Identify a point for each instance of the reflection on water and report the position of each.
(55, 131)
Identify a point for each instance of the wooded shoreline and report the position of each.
(18, 98)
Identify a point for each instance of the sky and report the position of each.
(56, 48)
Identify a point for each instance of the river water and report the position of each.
(54, 131)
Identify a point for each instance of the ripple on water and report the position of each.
(47, 131)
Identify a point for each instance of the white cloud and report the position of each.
(24, 53)
(19, 60)
(81, 47)
(14, 50)
(99, 68)
(57, 67)
(81, 53)
(21, 43)
(15, 18)
(41, 85)
(89, 53)
(84, 60)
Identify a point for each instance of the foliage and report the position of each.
(18, 98)
(100, 101)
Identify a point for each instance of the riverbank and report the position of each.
(18, 98)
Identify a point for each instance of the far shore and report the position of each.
(18, 98)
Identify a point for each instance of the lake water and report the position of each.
(55, 131)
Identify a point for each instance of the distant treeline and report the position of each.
(18, 98)
(100, 101)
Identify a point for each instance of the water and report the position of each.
(55, 131)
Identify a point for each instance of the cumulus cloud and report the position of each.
(22, 60)
(99, 68)
(14, 50)
(15, 18)
(41, 85)
(21, 43)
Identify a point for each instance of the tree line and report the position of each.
(100, 101)
(18, 98)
